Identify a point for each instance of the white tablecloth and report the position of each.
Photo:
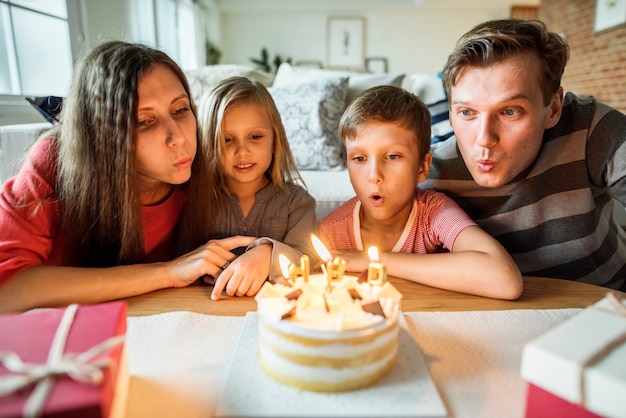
(179, 361)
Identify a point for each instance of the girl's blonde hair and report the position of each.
(211, 110)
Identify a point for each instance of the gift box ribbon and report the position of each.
(79, 367)
(619, 309)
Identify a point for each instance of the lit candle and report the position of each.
(290, 271)
(285, 267)
(335, 267)
(376, 272)
(305, 267)
(321, 249)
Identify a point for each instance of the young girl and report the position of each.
(95, 212)
(253, 184)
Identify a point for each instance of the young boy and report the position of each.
(421, 235)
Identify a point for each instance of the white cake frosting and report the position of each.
(324, 340)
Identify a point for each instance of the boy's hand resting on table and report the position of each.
(245, 275)
(356, 261)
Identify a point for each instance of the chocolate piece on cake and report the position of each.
(283, 281)
(373, 307)
(354, 294)
(293, 295)
(362, 277)
(289, 313)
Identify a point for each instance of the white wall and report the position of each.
(413, 38)
(414, 35)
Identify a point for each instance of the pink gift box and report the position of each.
(543, 404)
(578, 368)
(30, 336)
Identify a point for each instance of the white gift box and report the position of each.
(582, 360)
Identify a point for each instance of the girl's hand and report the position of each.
(245, 275)
(207, 259)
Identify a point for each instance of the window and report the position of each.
(174, 26)
(41, 39)
(35, 50)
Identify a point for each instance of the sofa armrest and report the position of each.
(14, 142)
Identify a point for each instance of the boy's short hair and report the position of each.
(388, 104)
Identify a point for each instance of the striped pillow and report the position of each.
(440, 128)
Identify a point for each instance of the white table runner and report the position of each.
(179, 361)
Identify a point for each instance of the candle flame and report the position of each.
(284, 263)
(321, 249)
(372, 252)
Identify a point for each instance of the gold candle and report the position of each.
(291, 270)
(376, 272)
(305, 267)
(334, 268)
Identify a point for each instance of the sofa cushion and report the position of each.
(310, 111)
(201, 79)
(15, 140)
(357, 82)
(440, 128)
(429, 88)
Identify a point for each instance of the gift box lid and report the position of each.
(30, 336)
(583, 360)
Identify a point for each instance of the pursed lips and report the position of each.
(485, 165)
(183, 162)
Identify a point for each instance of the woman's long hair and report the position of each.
(211, 110)
(97, 179)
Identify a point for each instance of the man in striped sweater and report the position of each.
(538, 169)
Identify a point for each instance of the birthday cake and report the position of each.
(328, 335)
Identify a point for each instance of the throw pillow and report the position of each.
(310, 111)
(440, 128)
(429, 89)
(201, 79)
(48, 106)
(357, 82)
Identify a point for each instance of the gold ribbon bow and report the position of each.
(77, 366)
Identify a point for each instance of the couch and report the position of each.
(310, 101)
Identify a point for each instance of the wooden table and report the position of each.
(153, 393)
(539, 293)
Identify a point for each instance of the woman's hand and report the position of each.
(245, 275)
(208, 259)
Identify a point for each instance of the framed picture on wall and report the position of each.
(346, 44)
(609, 13)
(376, 65)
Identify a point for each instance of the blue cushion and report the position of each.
(440, 121)
(48, 106)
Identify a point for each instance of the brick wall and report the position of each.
(597, 64)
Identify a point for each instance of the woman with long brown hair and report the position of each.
(110, 203)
